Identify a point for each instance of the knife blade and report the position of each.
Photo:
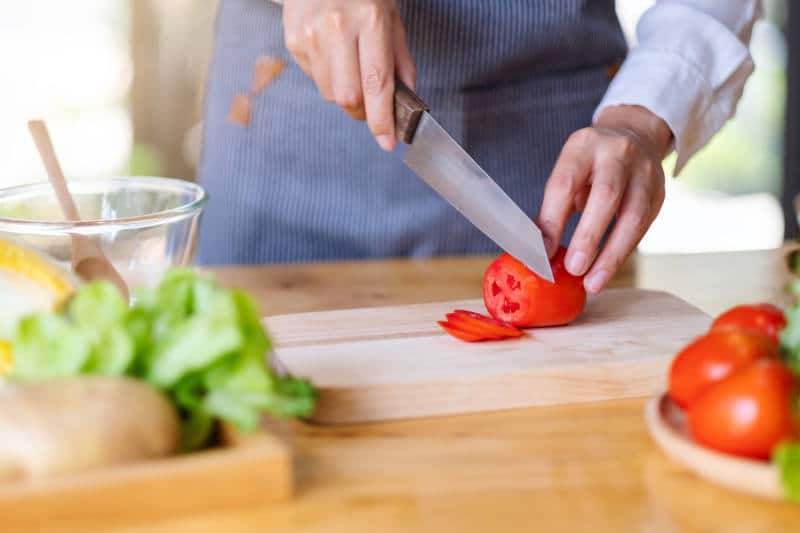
(433, 155)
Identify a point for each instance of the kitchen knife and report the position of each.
(438, 159)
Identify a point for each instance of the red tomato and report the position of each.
(473, 327)
(747, 414)
(514, 294)
(765, 318)
(712, 358)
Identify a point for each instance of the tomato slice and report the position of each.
(471, 321)
(461, 334)
(474, 327)
(463, 324)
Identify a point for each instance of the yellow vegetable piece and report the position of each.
(6, 358)
(30, 282)
(33, 266)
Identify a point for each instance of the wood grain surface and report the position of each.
(385, 363)
(568, 468)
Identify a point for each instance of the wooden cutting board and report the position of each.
(395, 362)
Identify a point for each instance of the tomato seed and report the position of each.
(496, 289)
(509, 306)
(513, 283)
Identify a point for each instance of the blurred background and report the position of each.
(120, 83)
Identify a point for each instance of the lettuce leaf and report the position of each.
(47, 346)
(97, 306)
(790, 338)
(787, 459)
(195, 343)
(203, 346)
(112, 352)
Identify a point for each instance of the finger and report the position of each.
(295, 41)
(320, 71)
(357, 114)
(377, 78)
(303, 62)
(580, 199)
(658, 197)
(609, 179)
(319, 63)
(404, 64)
(341, 52)
(307, 45)
(292, 38)
(570, 174)
(636, 213)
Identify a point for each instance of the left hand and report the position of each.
(610, 169)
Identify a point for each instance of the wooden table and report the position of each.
(585, 467)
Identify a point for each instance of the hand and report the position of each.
(352, 49)
(610, 169)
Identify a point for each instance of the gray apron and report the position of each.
(509, 79)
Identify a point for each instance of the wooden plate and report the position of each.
(246, 470)
(667, 425)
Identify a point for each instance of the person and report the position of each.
(544, 95)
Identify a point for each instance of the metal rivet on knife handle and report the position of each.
(408, 110)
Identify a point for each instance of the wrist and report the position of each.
(646, 126)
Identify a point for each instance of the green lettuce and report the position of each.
(35, 340)
(202, 345)
(787, 459)
(790, 338)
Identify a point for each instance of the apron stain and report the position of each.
(241, 109)
(264, 73)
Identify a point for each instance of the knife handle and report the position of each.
(408, 109)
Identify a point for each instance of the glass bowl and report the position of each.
(144, 225)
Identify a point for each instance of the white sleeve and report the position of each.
(688, 67)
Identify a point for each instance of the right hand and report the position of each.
(352, 49)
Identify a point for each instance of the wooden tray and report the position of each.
(396, 362)
(667, 425)
(244, 471)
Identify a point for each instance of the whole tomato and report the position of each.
(514, 294)
(713, 357)
(764, 318)
(747, 414)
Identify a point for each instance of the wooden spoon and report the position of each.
(88, 261)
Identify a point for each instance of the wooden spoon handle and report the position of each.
(82, 247)
(88, 260)
(48, 154)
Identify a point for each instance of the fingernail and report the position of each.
(596, 281)
(386, 142)
(577, 263)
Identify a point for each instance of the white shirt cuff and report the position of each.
(689, 70)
